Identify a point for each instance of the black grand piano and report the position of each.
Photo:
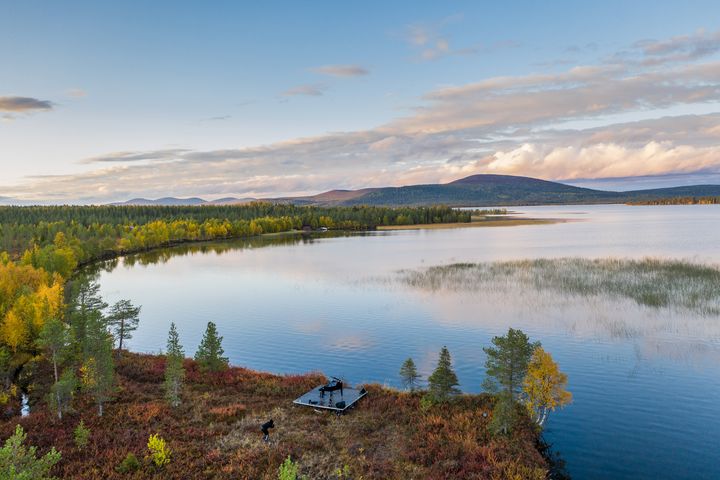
(332, 386)
(322, 397)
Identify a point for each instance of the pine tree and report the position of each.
(98, 370)
(210, 351)
(55, 337)
(174, 370)
(409, 375)
(85, 306)
(507, 362)
(123, 319)
(443, 382)
(21, 462)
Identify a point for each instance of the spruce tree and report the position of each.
(174, 370)
(209, 353)
(409, 375)
(507, 362)
(443, 382)
(123, 319)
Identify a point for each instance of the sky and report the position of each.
(106, 101)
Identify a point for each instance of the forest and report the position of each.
(679, 201)
(57, 238)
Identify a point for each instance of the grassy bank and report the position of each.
(649, 282)
(215, 432)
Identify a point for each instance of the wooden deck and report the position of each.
(331, 400)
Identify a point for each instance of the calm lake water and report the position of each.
(646, 381)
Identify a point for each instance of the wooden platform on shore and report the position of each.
(331, 400)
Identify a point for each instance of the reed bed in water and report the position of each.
(650, 282)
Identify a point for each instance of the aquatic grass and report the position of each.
(650, 282)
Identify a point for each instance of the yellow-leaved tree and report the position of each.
(544, 386)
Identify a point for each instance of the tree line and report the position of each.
(679, 201)
(58, 238)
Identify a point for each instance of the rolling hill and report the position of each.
(473, 191)
(487, 189)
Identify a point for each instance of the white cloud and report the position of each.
(314, 90)
(341, 70)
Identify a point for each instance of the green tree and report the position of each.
(20, 462)
(504, 414)
(443, 382)
(544, 386)
(81, 435)
(174, 370)
(507, 362)
(123, 319)
(62, 392)
(209, 353)
(98, 370)
(55, 337)
(409, 375)
(85, 307)
(288, 470)
(7, 368)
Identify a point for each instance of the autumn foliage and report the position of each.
(214, 432)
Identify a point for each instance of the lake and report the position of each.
(645, 380)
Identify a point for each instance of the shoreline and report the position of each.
(494, 222)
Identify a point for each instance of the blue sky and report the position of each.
(100, 101)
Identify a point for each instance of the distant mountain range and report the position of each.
(170, 201)
(473, 191)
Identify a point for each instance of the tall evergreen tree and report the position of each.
(98, 370)
(55, 337)
(507, 363)
(209, 353)
(123, 319)
(443, 382)
(85, 306)
(409, 375)
(174, 370)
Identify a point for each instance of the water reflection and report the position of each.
(644, 378)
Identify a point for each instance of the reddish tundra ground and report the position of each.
(215, 433)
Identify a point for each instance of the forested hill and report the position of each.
(473, 191)
(484, 190)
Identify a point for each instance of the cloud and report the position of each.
(24, 104)
(314, 90)
(76, 93)
(341, 70)
(506, 124)
(682, 48)
(430, 43)
(604, 160)
(121, 157)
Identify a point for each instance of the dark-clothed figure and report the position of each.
(265, 428)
